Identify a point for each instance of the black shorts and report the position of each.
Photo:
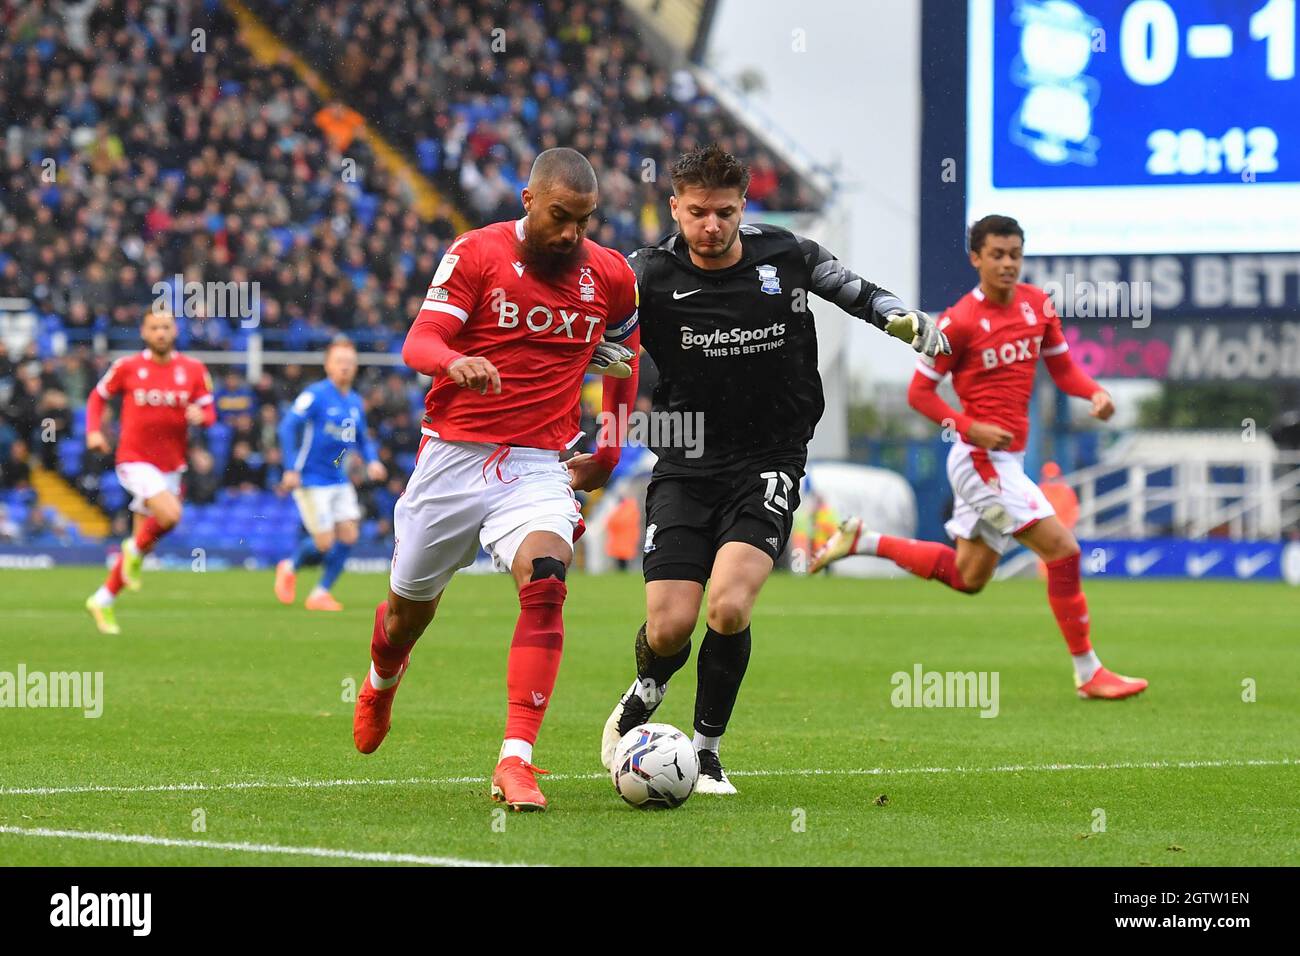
(688, 518)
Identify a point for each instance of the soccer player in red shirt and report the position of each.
(515, 315)
(998, 331)
(163, 393)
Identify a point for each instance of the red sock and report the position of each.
(149, 534)
(925, 559)
(1065, 595)
(114, 582)
(387, 657)
(534, 657)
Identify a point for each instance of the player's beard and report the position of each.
(546, 263)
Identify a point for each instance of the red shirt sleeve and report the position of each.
(625, 304)
(1055, 351)
(105, 389)
(618, 395)
(426, 348)
(923, 394)
(452, 297)
(456, 284)
(617, 401)
(202, 396)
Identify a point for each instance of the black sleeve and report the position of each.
(836, 282)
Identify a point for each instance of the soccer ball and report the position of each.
(655, 766)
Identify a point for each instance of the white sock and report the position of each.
(514, 747)
(1086, 665)
(867, 542)
(383, 683)
(649, 692)
(706, 743)
(317, 590)
(103, 597)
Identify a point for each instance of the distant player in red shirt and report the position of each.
(163, 393)
(998, 331)
(515, 316)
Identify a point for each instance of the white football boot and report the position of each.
(630, 711)
(712, 779)
(840, 544)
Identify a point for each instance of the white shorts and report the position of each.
(324, 506)
(463, 494)
(144, 480)
(993, 498)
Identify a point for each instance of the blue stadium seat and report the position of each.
(428, 156)
(70, 454)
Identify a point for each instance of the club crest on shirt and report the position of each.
(586, 285)
(771, 284)
(1027, 311)
(179, 376)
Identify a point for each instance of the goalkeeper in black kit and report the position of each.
(724, 313)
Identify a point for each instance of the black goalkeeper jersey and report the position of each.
(738, 346)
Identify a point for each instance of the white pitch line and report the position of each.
(316, 851)
(295, 784)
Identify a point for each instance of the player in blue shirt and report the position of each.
(325, 423)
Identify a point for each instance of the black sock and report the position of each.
(651, 665)
(721, 665)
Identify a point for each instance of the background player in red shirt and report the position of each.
(163, 393)
(998, 331)
(515, 315)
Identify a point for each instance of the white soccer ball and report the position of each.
(655, 767)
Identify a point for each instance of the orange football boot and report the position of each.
(514, 785)
(1107, 685)
(321, 601)
(286, 582)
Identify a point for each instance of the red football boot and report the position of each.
(514, 785)
(373, 715)
(1107, 685)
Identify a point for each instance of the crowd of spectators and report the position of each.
(145, 146)
(474, 89)
(42, 422)
(156, 147)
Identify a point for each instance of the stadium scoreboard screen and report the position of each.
(1154, 142)
(1131, 126)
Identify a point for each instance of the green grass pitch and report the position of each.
(224, 729)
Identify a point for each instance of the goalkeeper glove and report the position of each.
(611, 359)
(919, 331)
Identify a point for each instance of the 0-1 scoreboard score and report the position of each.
(1125, 127)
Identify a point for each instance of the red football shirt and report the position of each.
(154, 397)
(539, 333)
(995, 350)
